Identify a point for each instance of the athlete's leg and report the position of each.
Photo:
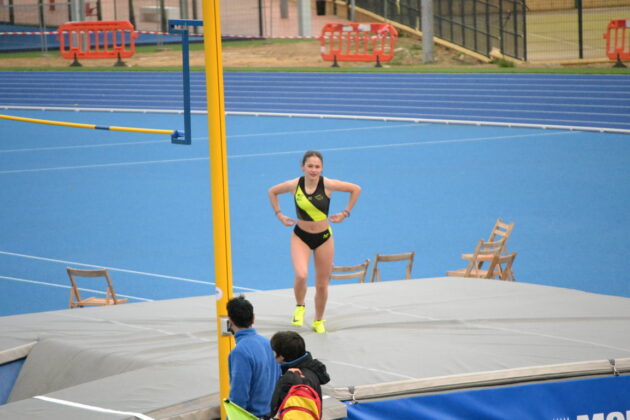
(300, 255)
(324, 255)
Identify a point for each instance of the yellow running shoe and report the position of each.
(318, 326)
(298, 316)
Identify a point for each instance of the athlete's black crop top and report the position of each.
(312, 207)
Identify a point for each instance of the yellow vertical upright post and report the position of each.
(219, 182)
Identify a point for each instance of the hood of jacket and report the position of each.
(307, 362)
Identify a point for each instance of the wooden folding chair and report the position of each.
(350, 271)
(75, 296)
(408, 256)
(501, 268)
(500, 265)
(500, 232)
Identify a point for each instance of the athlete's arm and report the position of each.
(353, 189)
(282, 188)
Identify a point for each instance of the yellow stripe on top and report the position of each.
(305, 204)
(303, 403)
(49, 122)
(90, 126)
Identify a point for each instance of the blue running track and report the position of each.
(601, 101)
(139, 205)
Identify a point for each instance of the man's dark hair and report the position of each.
(288, 344)
(241, 312)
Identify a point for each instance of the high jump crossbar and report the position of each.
(175, 134)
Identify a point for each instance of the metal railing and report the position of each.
(529, 30)
(478, 25)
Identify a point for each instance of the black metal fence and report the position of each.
(530, 30)
(481, 25)
(478, 25)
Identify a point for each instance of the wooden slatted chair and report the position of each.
(500, 231)
(501, 268)
(75, 296)
(500, 265)
(346, 272)
(407, 256)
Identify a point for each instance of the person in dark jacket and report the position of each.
(298, 367)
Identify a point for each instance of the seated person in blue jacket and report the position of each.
(253, 369)
(298, 367)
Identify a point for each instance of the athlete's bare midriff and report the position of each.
(313, 227)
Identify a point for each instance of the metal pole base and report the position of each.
(619, 63)
(119, 62)
(76, 63)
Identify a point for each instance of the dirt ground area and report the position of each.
(296, 54)
(304, 53)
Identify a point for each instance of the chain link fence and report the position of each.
(566, 30)
(529, 30)
(35, 14)
(239, 18)
(243, 17)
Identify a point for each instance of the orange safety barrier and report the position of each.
(618, 40)
(358, 42)
(100, 39)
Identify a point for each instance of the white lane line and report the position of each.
(62, 286)
(92, 407)
(330, 130)
(284, 133)
(332, 149)
(121, 270)
(406, 144)
(82, 146)
(102, 165)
